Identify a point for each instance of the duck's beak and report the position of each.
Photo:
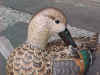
(67, 38)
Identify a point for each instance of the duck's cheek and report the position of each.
(59, 28)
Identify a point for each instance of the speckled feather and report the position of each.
(33, 61)
(26, 60)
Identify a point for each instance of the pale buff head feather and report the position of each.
(44, 24)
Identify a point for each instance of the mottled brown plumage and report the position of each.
(39, 62)
(26, 60)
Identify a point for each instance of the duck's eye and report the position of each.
(57, 21)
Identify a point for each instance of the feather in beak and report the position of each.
(67, 38)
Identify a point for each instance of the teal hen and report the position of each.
(32, 58)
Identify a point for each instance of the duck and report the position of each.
(38, 57)
(31, 58)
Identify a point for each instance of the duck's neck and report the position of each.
(38, 36)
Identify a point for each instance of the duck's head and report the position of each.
(44, 24)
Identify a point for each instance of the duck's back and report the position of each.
(27, 61)
(32, 61)
(62, 63)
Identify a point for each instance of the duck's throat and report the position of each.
(38, 38)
